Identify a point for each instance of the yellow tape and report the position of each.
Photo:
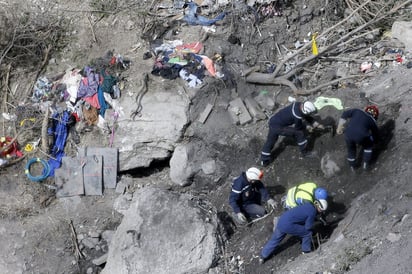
(314, 46)
(27, 119)
(28, 147)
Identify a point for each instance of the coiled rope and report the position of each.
(45, 173)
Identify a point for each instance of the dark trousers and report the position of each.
(280, 233)
(273, 136)
(351, 145)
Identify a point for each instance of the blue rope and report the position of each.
(45, 173)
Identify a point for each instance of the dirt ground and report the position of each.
(35, 230)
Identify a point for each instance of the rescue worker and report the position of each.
(247, 195)
(297, 114)
(303, 193)
(297, 221)
(307, 192)
(361, 130)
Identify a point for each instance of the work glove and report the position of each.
(272, 203)
(241, 218)
(309, 128)
(323, 221)
(318, 125)
(341, 124)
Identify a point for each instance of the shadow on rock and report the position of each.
(227, 221)
(385, 136)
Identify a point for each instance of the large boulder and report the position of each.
(163, 232)
(154, 134)
(402, 30)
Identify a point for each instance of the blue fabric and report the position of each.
(281, 124)
(192, 18)
(244, 194)
(361, 130)
(60, 137)
(298, 222)
(102, 101)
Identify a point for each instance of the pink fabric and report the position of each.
(93, 101)
(208, 63)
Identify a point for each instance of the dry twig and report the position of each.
(77, 252)
(277, 78)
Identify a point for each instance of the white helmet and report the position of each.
(308, 108)
(254, 174)
(321, 204)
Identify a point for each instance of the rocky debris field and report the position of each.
(177, 157)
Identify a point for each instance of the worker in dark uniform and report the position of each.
(361, 130)
(247, 195)
(297, 114)
(297, 221)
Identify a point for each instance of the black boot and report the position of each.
(308, 154)
(265, 163)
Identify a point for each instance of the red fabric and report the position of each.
(12, 149)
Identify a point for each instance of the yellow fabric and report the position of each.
(321, 102)
(314, 46)
(302, 192)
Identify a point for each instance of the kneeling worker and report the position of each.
(247, 195)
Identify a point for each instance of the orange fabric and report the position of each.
(91, 116)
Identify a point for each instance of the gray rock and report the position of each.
(155, 133)
(101, 260)
(402, 30)
(209, 167)
(154, 238)
(328, 166)
(107, 235)
(181, 169)
(393, 237)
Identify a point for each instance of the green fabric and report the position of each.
(177, 60)
(108, 81)
(321, 102)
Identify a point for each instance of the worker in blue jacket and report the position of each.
(247, 195)
(361, 130)
(290, 121)
(297, 221)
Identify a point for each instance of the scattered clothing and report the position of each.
(72, 80)
(193, 18)
(191, 79)
(89, 83)
(59, 131)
